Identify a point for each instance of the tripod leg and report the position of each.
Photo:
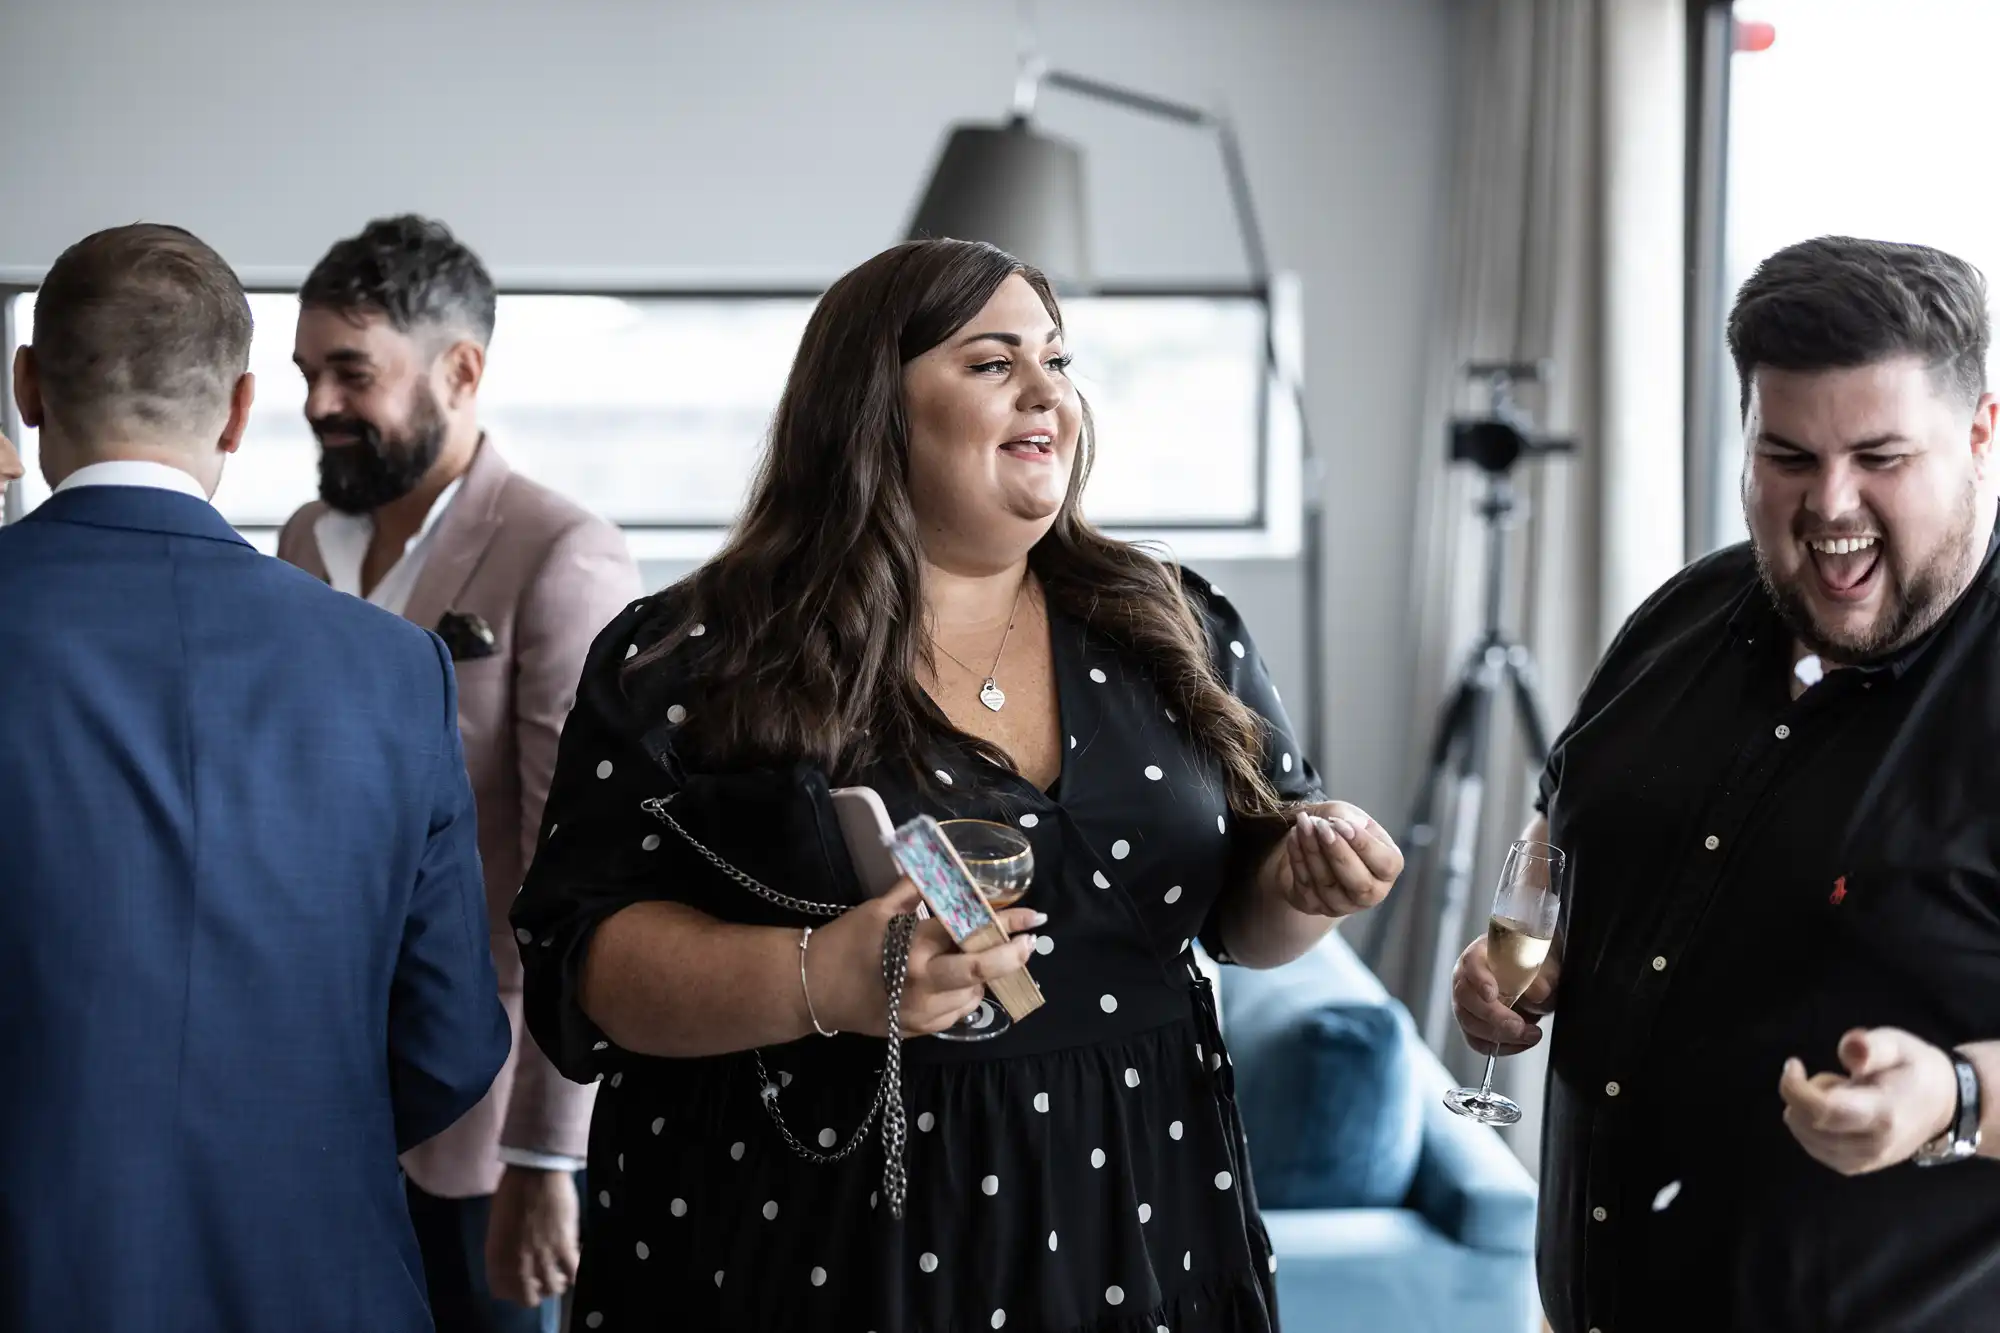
(1534, 726)
(1460, 854)
(1422, 834)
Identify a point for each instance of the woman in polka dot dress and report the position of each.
(913, 602)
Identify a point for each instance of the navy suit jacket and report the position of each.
(243, 937)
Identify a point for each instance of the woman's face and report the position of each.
(994, 423)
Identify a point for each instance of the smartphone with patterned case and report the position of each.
(933, 865)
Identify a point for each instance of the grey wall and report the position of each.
(786, 140)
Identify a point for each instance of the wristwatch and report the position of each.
(1960, 1139)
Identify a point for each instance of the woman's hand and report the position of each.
(943, 984)
(1335, 861)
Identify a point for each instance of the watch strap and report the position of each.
(1960, 1139)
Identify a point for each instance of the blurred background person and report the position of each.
(914, 602)
(241, 963)
(419, 514)
(10, 472)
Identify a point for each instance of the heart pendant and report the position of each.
(992, 695)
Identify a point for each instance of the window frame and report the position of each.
(1272, 531)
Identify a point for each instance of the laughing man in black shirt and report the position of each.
(1779, 984)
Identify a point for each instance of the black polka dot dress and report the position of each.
(1082, 1170)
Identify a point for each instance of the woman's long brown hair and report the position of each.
(814, 612)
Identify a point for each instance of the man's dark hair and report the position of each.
(139, 326)
(1837, 302)
(412, 270)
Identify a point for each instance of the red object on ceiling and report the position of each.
(1754, 35)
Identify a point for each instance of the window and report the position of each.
(652, 410)
(1854, 122)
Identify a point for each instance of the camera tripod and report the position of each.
(1462, 742)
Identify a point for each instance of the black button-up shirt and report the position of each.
(1752, 876)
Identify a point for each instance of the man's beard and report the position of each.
(1920, 601)
(375, 470)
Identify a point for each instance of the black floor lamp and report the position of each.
(1023, 191)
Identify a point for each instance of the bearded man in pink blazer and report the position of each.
(419, 513)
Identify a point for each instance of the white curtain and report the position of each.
(1564, 242)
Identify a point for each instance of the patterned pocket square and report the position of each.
(467, 636)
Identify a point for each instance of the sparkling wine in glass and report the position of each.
(1001, 862)
(1518, 936)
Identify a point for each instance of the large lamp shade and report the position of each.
(1014, 188)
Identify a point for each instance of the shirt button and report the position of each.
(1599, 1214)
(1659, 964)
(1711, 842)
(1783, 731)
(1611, 1088)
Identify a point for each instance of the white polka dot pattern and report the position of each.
(1097, 1159)
(1153, 772)
(927, 1261)
(770, 1210)
(1115, 1295)
(604, 769)
(1030, 820)
(679, 1207)
(990, 1186)
(1097, 674)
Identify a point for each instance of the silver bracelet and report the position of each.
(805, 938)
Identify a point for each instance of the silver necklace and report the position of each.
(990, 692)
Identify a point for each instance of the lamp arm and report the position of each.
(1034, 75)
(1144, 103)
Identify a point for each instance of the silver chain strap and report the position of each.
(895, 970)
(657, 808)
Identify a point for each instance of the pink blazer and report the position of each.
(546, 576)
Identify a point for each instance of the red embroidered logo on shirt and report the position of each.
(1839, 891)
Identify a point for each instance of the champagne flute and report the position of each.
(1001, 862)
(1525, 908)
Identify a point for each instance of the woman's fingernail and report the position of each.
(1041, 919)
(1343, 828)
(1031, 939)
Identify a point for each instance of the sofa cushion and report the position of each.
(1331, 1105)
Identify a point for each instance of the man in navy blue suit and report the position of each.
(243, 953)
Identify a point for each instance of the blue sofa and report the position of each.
(1388, 1212)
